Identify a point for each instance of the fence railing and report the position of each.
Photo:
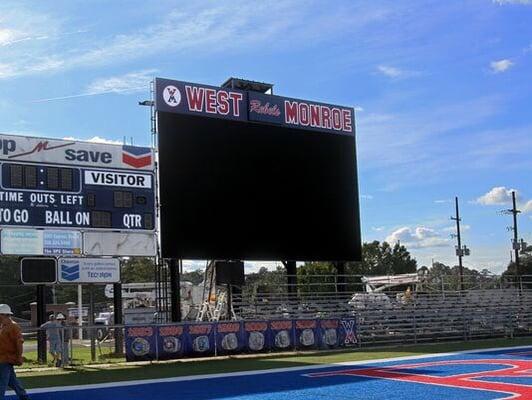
(381, 319)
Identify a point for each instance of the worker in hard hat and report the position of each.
(10, 353)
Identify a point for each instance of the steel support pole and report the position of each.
(340, 277)
(91, 323)
(175, 292)
(291, 276)
(118, 320)
(41, 319)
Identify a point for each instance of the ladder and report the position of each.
(209, 286)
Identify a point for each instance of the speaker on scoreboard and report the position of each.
(229, 272)
(38, 271)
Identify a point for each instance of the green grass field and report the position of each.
(80, 356)
(88, 374)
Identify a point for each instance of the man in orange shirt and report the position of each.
(10, 353)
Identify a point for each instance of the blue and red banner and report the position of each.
(191, 98)
(307, 334)
(256, 336)
(211, 101)
(329, 337)
(200, 339)
(347, 332)
(141, 343)
(171, 341)
(282, 334)
(229, 338)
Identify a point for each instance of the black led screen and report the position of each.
(247, 191)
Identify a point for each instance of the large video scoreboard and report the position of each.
(59, 189)
(251, 176)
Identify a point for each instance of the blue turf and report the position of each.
(296, 385)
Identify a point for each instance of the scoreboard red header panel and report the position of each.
(250, 176)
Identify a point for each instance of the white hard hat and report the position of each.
(60, 316)
(5, 310)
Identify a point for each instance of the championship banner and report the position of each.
(171, 342)
(282, 335)
(200, 339)
(256, 336)
(347, 332)
(307, 334)
(329, 337)
(141, 343)
(229, 337)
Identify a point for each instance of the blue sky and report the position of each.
(442, 92)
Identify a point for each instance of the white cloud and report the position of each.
(127, 83)
(498, 195)
(395, 73)
(452, 229)
(500, 65)
(95, 139)
(501, 196)
(419, 237)
(184, 31)
(501, 2)
(391, 72)
(6, 36)
(443, 201)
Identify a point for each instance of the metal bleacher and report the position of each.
(396, 318)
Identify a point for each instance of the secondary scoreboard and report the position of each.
(63, 188)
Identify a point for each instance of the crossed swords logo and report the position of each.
(172, 98)
(349, 327)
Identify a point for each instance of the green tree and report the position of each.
(377, 259)
(196, 277)
(383, 259)
(138, 269)
(316, 277)
(12, 291)
(525, 269)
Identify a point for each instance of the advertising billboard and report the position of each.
(249, 176)
(88, 270)
(52, 191)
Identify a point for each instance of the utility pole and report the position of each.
(515, 246)
(460, 251)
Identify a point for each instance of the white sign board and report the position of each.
(71, 152)
(88, 270)
(34, 242)
(22, 241)
(123, 179)
(119, 244)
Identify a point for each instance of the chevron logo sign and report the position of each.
(136, 157)
(70, 272)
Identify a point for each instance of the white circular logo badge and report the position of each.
(171, 96)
